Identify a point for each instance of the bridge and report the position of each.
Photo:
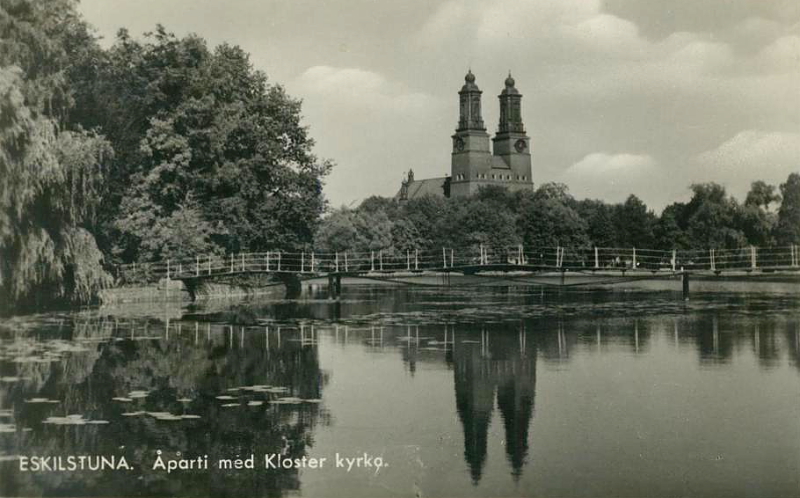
(561, 265)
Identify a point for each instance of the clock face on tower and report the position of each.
(520, 145)
(458, 143)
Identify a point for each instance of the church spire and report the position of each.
(470, 105)
(510, 108)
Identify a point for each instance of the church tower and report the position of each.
(471, 156)
(511, 144)
(474, 164)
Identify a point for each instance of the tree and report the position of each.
(484, 223)
(51, 172)
(376, 203)
(547, 220)
(50, 185)
(787, 230)
(755, 218)
(189, 122)
(336, 232)
(355, 231)
(634, 223)
(669, 231)
(431, 216)
(600, 222)
(761, 195)
(44, 38)
(405, 236)
(711, 218)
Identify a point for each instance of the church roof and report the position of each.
(428, 186)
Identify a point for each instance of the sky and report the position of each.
(620, 96)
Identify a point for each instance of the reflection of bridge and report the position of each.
(591, 265)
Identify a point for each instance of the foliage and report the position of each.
(44, 39)
(761, 195)
(600, 221)
(549, 220)
(787, 230)
(191, 122)
(710, 218)
(50, 185)
(179, 234)
(355, 231)
(669, 231)
(550, 217)
(147, 150)
(633, 223)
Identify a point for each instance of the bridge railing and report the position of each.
(473, 257)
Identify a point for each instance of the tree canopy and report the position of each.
(549, 217)
(150, 149)
(52, 175)
(201, 134)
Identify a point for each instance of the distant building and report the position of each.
(473, 164)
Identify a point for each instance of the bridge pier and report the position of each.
(685, 279)
(294, 286)
(334, 286)
(191, 287)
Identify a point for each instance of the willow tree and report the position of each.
(50, 176)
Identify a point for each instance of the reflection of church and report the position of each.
(473, 164)
(502, 368)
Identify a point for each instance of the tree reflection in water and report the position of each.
(491, 343)
(183, 367)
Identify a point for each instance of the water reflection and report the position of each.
(185, 388)
(494, 366)
(250, 378)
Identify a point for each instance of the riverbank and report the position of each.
(175, 291)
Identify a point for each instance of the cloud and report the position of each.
(782, 55)
(356, 87)
(374, 127)
(379, 80)
(748, 156)
(613, 177)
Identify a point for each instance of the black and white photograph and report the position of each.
(416, 248)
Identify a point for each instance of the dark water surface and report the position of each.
(490, 392)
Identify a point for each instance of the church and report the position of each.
(474, 163)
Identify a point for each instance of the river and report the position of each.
(506, 391)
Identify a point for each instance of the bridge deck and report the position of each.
(591, 263)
